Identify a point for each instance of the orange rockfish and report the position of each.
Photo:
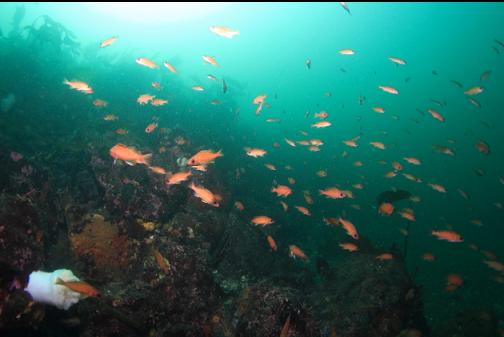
(294, 252)
(255, 152)
(161, 261)
(322, 115)
(259, 99)
(178, 177)
(79, 86)
(412, 160)
(204, 195)
(144, 99)
(224, 31)
(388, 89)
(170, 67)
(386, 208)
(346, 52)
(322, 124)
(378, 145)
(282, 191)
(157, 169)
(397, 60)
(129, 155)
(151, 127)
(437, 187)
(197, 88)
(303, 210)
(108, 42)
(450, 236)
(378, 109)
(211, 60)
(333, 193)
(80, 287)
(271, 242)
(159, 102)
(474, 91)
(436, 115)
(262, 220)
(204, 157)
(146, 62)
(351, 247)
(99, 103)
(349, 228)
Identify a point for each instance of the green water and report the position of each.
(440, 42)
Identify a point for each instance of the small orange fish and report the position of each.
(313, 148)
(290, 142)
(397, 60)
(436, 115)
(386, 208)
(156, 85)
(262, 220)
(161, 261)
(259, 99)
(99, 103)
(378, 145)
(412, 177)
(129, 155)
(178, 177)
(412, 160)
(378, 109)
(255, 152)
(170, 67)
(389, 90)
(346, 52)
(284, 206)
(108, 41)
(390, 174)
(270, 167)
(121, 131)
(428, 257)
(197, 88)
(204, 195)
(282, 191)
(447, 235)
(303, 210)
(80, 287)
(454, 281)
(407, 214)
(151, 127)
(224, 31)
(349, 228)
(79, 86)
(321, 173)
(144, 99)
(385, 257)
(295, 251)
(239, 205)
(437, 187)
(159, 102)
(322, 124)
(333, 193)
(110, 118)
(272, 243)
(474, 91)
(211, 60)
(322, 115)
(204, 157)
(483, 147)
(351, 247)
(397, 166)
(201, 168)
(146, 62)
(495, 265)
(157, 169)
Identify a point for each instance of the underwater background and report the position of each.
(421, 81)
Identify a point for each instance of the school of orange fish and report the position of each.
(201, 161)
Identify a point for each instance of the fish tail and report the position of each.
(146, 159)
